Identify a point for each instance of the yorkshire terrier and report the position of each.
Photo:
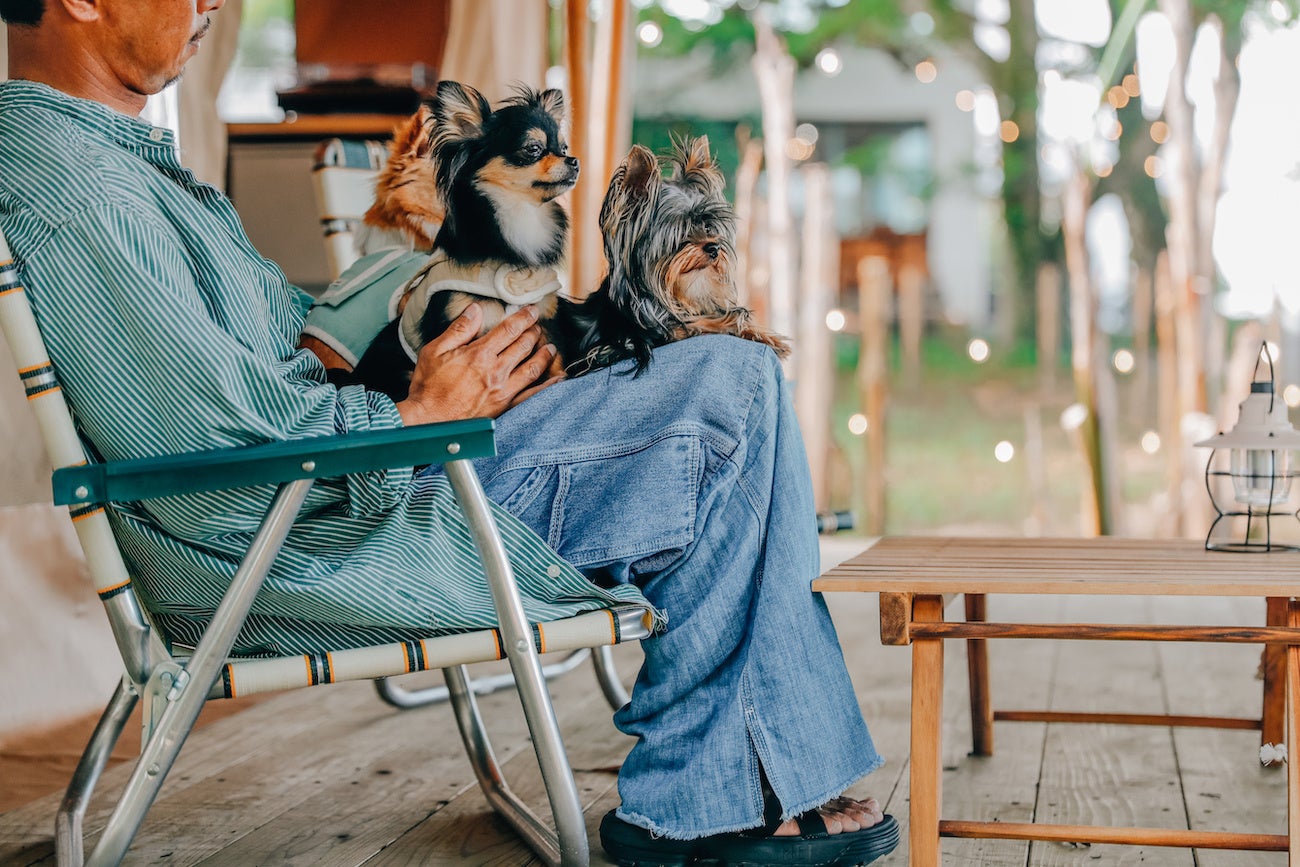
(671, 248)
(503, 236)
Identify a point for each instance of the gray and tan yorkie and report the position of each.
(670, 245)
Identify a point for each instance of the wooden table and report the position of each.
(915, 577)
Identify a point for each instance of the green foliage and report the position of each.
(658, 135)
(256, 13)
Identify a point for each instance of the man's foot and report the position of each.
(839, 815)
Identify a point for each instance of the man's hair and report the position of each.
(24, 12)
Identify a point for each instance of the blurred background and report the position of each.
(1029, 251)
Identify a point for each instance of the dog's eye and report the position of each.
(533, 150)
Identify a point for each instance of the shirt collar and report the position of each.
(94, 117)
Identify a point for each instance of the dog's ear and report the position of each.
(628, 210)
(694, 165)
(414, 138)
(641, 174)
(459, 112)
(552, 102)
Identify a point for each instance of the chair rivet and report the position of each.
(308, 466)
(153, 770)
(453, 448)
(521, 645)
(81, 491)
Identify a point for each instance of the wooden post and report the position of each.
(774, 71)
(1143, 304)
(1167, 399)
(1293, 738)
(1083, 358)
(873, 387)
(927, 738)
(1048, 290)
(751, 163)
(584, 243)
(911, 319)
(813, 360)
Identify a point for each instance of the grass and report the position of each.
(942, 424)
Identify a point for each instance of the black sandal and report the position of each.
(632, 846)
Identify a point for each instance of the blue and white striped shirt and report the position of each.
(171, 334)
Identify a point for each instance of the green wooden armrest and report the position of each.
(273, 463)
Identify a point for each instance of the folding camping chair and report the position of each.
(343, 178)
(174, 687)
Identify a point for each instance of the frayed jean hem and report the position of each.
(835, 791)
(657, 831)
(670, 834)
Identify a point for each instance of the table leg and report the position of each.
(1273, 714)
(1292, 700)
(977, 666)
(927, 738)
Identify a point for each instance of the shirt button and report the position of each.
(553, 570)
(157, 134)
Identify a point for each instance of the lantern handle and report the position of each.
(1272, 375)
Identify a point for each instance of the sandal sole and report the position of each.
(630, 846)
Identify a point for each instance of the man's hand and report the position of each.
(459, 375)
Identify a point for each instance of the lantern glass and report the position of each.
(1261, 477)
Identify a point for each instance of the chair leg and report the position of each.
(607, 676)
(187, 696)
(517, 638)
(977, 669)
(68, 835)
(406, 699)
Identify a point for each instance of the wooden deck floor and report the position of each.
(334, 777)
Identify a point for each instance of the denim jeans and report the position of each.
(691, 481)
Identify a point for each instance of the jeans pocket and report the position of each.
(527, 493)
(628, 505)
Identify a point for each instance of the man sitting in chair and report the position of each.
(688, 484)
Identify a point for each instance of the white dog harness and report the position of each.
(515, 287)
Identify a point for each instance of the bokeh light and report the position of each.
(649, 33)
(978, 350)
(1123, 361)
(858, 424)
(835, 320)
(1004, 451)
(1151, 442)
(828, 62)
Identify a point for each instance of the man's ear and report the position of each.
(77, 10)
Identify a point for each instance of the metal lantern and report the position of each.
(1260, 468)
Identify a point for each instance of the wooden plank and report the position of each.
(1109, 775)
(258, 731)
(351, 818)
(1000, 788)
(1224, 787)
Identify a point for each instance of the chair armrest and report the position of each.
(273, 463)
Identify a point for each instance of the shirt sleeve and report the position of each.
(156, 361)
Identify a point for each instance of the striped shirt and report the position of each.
(172, 334)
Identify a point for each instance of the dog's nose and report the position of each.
(711, 249)
(571, 162)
